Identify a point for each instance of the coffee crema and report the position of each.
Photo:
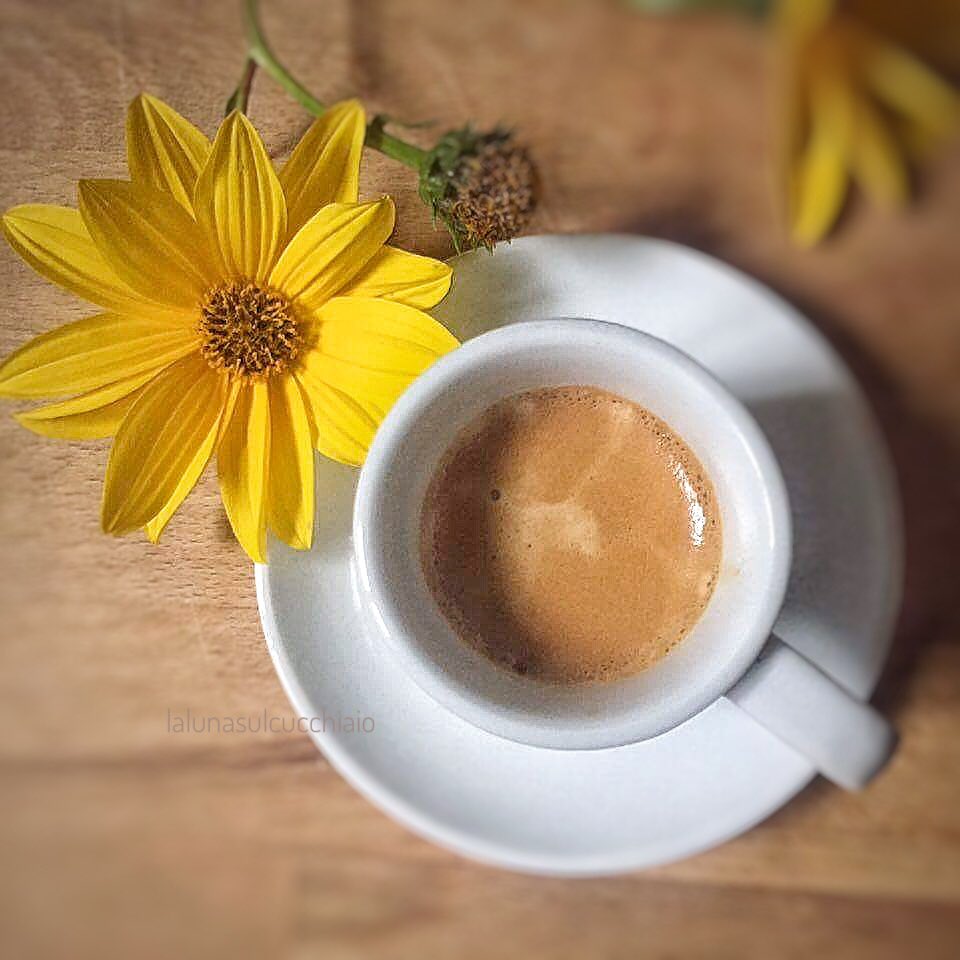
(570, 535)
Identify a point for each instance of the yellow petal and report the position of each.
(342, 429)
(820, 180)
(876, 160)
(376, 388)
(192, 474)
(907, 85)
(91, 416)
(290, 497)
(372, 350)
(394, 274)
(163, 149)
(800, 18)
(382, 335)
(242, 460)
(56, 243)
(331, 249)
(239, 202)
(325, 165)
(91, 353)
(164, 441)
(148, 239)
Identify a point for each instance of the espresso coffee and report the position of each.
(570, 535)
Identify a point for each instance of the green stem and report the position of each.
(241, 96)
(261, 54)
(393, 147)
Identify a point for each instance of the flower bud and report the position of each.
(482, 186)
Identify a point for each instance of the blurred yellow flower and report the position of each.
(857, 101)
(248, 314)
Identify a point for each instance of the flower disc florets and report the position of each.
(248, 330)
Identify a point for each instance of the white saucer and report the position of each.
(609, 811)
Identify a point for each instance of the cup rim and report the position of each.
(443, 375)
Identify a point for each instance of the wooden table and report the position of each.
(119, 838)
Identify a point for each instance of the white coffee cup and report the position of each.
(730, 651)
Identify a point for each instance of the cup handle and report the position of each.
(845, 739)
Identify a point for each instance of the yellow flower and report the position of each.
(247, 314)
(856, 102)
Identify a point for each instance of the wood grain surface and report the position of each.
(118, 838)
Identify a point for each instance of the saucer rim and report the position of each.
(502, 856)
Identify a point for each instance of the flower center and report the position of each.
(248, 330)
